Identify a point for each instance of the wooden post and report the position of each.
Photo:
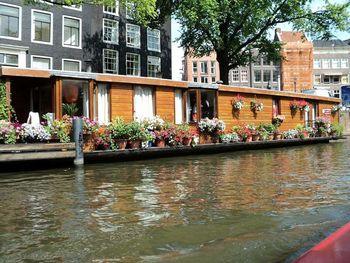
(57, 98)
(8, 96)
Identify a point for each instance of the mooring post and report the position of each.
(78, 139)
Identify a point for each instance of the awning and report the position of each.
(334, 74)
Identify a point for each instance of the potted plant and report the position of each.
(256, 106)
(70, 109)
(278, 120)
(294, 106)
(90, 128)
(238, 103)
(303, 105)
(8, 132)
(322, 126)
(270, 130)
(243, 132)
(137, 134)
(335, 109)
(119, 133)
(210, 129)
(336, 130)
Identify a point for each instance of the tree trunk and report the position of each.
(222, 59)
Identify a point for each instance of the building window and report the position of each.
(110, 31)
(204, 79)
(317, 79)
(204, 67)
(336, 63)
(213, 80)
(235, 75)
(71, 32)
(208, 104)
(345, 79)
(267, 75)
(10, 26)
(275, 75)
(153, 66)
(326, 63)
(344, 63)
(275, 107)
(336, 93)
(212, 67)
(153, 40)
(244, 75)
(111, 9)
(71, 65)
(129, 10)
(195, 79)
(317, 63)
(326, 79)
(39, 62)
(110, 61)
(132, 64)
(191, 113)
(41, 27)
(9, 59)
(132, 36)
(143, 102)
(194, 67)
(257, 75)
(336, 80)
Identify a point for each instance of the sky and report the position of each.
(177, 52)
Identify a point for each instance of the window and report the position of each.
(8, 59)
(336, 63)
(326, 63)
(178, 106)
(208, 101)
(275, 107)
(267, 75)
(71, 32)
(275, 75)
(132, 64)
(345, 79)
(317, 63)
(41, 27)
(111, 9)
(204, 79)
(153, 66)
(326, 79)
(204, 67)
(110, 31)
(213, 80)
(212, 67)
(71, 65)
(110, 61)
(244, 75)
(40, 62)
(102, 104)
(132, 36)
(143, 102)
(191, 113)
(129, 10)
(195, 79)
(336, 80)
(194, 67)
(344, 63)
(336, 93)
(76, 91)
(153, 40)
(257, 75)
(235, 75)
(10, 24)
(317, 79)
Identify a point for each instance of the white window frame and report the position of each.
(317, 63)
(104, 62)
(317, 77)
(116, 13)
(137, 36)
(151, 34)
(129, 8)
(244, 75)
(80, 32)
(117, 31)
(345, 79)
(344, 63)
(205, 78)
(195, 68)
(33, 27)
(71, 60)
(213, 67)
(9, 64)
(35, 56)
(329, 63)
(336, 63)
(149, 58)
(235, 75)
(139, 64)
(19, 22)
(204, 69)
(195, 79)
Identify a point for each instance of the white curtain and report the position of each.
(86, 101)
(103, 104)
(143, 102)
(178, 106)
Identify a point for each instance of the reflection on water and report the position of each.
(262, 206)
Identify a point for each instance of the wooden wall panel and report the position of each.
(122, 101)
(291, 120)
(165, 103)
(328, 105)
(245, 116)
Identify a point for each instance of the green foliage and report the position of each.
(337, 129)
(233, 28)
(70, 109)
(5, 109)
(119, 129)
(137, 132)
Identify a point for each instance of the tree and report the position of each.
(233, 28)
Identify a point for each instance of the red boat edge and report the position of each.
(334, 249)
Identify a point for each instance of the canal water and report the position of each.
(254, 206)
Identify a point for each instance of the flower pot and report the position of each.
(121, 143)
(205, 139)
(89, 142)
(277, 136)
(186, 141)
(160, 143)
(249, 138)
(271, 137)
(135, 144)
(255, 137)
